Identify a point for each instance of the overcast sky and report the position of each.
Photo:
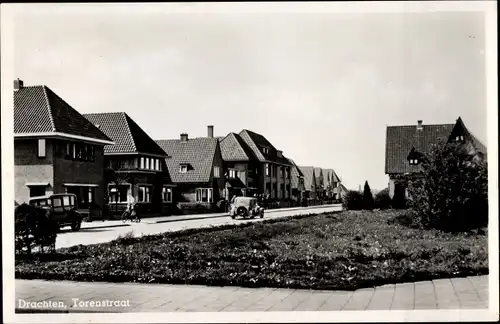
(322, 87)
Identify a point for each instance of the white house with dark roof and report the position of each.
(195, 166)
(56, 149)
(135, 165)
(406, 144)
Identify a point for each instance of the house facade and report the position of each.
(271, 172)
(310, 185)
(195, 167)
(135, 167)
(298, 182)
(241, 168)
(56, 149)
(406, 144)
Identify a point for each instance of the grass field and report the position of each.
(347, 250)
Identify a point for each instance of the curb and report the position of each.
(105, 226)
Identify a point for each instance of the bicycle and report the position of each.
(131, 215)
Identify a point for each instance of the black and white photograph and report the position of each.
(249, 162)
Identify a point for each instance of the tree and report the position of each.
(368, 202)
(352, 200)
(382, 199)
(450, 192)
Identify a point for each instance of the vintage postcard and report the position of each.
(249, 162)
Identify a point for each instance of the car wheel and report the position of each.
(76, 225)
(262, 214)
(242, 211)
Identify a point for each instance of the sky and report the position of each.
(321, 87)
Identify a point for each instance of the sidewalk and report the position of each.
(456, 293)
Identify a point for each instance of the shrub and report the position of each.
(383, 200)
(353, 200)
(451, 190)
(368, 202)
(33, 229)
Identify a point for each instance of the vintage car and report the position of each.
(246, 207)
(61, 208)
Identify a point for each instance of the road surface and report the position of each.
(101, 232)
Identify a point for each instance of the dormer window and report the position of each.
(233, 173)
(265, 150)
(459, 138)
(184, 168)
(413, 161)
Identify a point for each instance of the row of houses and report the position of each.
(104, 158)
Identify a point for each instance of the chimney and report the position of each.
(419, 125)
(18, 84)
(210, 129)
(184, 137)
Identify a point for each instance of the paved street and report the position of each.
(101, 232)
(456, 293)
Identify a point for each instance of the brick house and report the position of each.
(310, 185)
(406, 144)
(241, 167)
(135, 165)
(320, 185)
(195, 166)
(297, 181)
(56, 149)
(272, 174)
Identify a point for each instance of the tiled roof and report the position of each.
(254, 141)
(401, 139)
(478, 145)
(318, 172)
(233, 148)
(334, 176)
(309, 176)
(295, 174)
(127, 135)
(198, 153)
(326, 176)
(37, 109)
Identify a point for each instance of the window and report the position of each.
(166, 194)
(66, 201)
(265, 150)
(459, 138)
(216, 172)
(118, 194)
(282, 172)
(413, 161)
(80, 152)
(91, 195)
(288, 173)
(184, 168)
(267, 169)
(142, 163)
(158, 165)
(36, 191)
(147, 164)
(204, 195)
(41, 148)
(233, 173)
(144, 194)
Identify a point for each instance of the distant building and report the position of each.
(310, 185)
(56, 149)
(297, 181)
(406, 144)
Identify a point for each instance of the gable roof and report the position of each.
(127, 135)
(233, 148)
(38, 110)
(309, 176)
(295, 174)
(318, 172)
(478, 145)
(401, 139)
(254, 141)
(197, 153)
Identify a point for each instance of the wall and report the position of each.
(69, 171)
(28, 167)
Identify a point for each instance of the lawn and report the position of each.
(348, 250)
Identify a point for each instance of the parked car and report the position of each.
(246, 207)
(61, 208)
